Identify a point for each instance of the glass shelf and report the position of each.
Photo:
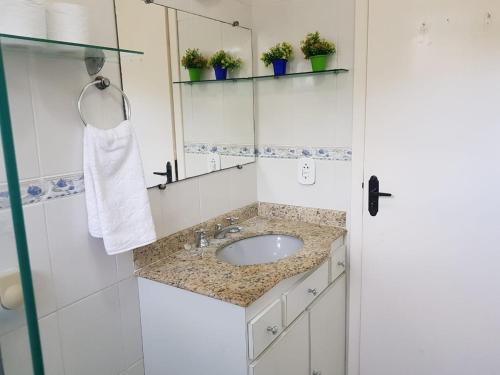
(61, 48)
(216, 81)
(290, 75)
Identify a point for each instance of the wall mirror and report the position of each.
(197, 127)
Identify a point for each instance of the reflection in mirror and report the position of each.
(214, 119)
(196, 127)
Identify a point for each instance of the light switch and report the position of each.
(306, 172)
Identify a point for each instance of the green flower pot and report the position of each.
(195, 74)
(318, 63)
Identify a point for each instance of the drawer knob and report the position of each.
(313, 291)
(274, 330)
(341, 263)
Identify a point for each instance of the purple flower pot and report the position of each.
(279, 66)
(220, 73)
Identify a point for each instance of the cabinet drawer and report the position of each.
(338, 262)
(263, 329)
(305, 292)
(289, 355)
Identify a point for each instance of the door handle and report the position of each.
(374, 194)
(378, 194)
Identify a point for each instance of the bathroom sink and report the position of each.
(267, 248)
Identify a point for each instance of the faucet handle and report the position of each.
(201, 238)
(232, 220)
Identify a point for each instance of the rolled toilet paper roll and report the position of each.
(11, 293)
(12, 298)
(23, 17)
(68, 22)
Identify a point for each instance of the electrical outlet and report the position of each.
(306, 172)
(213, 162)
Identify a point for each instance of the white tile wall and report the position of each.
(214, 200)
(195, 200)
(91, 334)
(277, 183)
(82, 273)
(51, 345)
(15, 350)
(89, 320)
(306, 111)
(80, 263)
(18, 81)
(55, 113)
(225, 10)
(136, 369)
(40, 263)
(87, 301)
(131, 322)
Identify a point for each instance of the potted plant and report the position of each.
(278, 56)
(317, 50)
(194, 62)
(223, 61)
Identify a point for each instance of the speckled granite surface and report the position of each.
(318, 216)
(242, 285)
(175, 242)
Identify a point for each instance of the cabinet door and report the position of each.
(328, 331)
(289, 355)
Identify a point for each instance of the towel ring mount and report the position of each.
(102, 83)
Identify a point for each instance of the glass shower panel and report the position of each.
(20, 351)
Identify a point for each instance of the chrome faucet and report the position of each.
(201, 239)
(220, 231)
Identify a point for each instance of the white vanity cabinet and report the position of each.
(297, 328)
(312, 344)
(289, 355)
(327, 322)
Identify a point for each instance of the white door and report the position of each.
(289, 355)
(328, 333)
(431, 257)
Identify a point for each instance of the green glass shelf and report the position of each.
(290, 75)
(63, 49)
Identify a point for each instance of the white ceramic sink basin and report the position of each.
(267, 248)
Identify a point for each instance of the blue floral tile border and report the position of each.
(296, 152)
(43, 189)
(221, 149)
(272, 151)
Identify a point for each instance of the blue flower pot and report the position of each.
(279, 66)
(220, 73)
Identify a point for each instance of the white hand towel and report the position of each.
(117, 199)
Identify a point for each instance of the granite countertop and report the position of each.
(242, 285)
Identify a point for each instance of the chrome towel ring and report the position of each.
(103, 83)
